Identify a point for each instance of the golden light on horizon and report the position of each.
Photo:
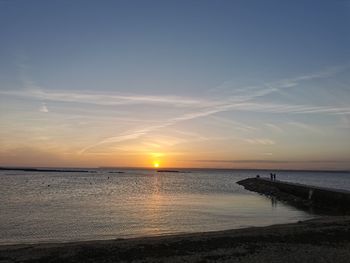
(156, 158)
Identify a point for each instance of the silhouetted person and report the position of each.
(271, 176)
(273, 202)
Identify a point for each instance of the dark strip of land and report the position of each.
(318, 240)
(45, 170)
(172, 171)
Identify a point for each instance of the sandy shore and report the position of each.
(319, 240)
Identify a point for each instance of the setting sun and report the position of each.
(156, 164)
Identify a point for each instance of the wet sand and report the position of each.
(325, 239)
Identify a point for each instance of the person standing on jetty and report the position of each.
(273, 177)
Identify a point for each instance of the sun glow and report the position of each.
(155, 164)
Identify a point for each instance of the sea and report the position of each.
(99, 204)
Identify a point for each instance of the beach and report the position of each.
(325, 239)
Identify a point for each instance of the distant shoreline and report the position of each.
(45, 170)
(86, 169)
(307, 240)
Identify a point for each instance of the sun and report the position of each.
(155, 164)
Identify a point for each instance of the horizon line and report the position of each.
(178, 168)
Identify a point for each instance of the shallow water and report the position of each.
(53, 206)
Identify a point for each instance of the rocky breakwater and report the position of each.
(323, 200)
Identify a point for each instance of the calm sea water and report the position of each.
(57, 207)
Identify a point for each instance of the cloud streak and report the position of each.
(255, 107)
(239, 100)
(252, 92)
(106, 99)
(262, 141)
(273, 161)
(44, 108)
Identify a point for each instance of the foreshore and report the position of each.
(325, 239)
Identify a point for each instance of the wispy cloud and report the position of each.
(263, 89)
(344, 122)
(274, 127)
(262, 141)
(43, 108)
(235, 124)
(292, 82)
(242, 99)
(286, 108)
(304, 126)
(270, 108)
(272, 161)
(100, 98)
(116, 139)
(267, 154)
(32, 90)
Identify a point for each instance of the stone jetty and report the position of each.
(301, 195)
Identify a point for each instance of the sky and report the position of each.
(219, 84)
